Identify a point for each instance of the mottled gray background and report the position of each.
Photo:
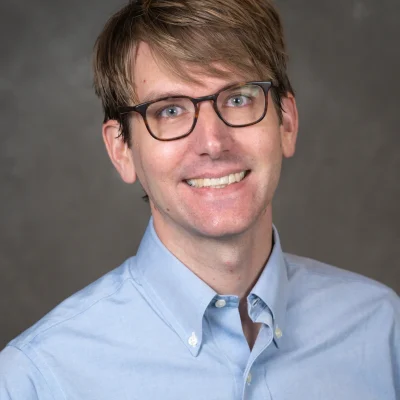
(66, 218)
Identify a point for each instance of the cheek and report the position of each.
(268, 158)
(156, 162)
(267, 144)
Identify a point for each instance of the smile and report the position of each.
(217, 183)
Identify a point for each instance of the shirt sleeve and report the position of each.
(20, 379)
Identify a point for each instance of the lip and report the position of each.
(220, 174)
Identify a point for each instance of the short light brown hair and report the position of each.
(245, 36)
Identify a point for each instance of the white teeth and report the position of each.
(217, 183)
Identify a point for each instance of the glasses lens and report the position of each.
(242, 105)
(170, 118)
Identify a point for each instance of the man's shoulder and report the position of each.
(85, 308)
(94, 323)
(309, 278)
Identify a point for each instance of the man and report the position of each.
(199, 109)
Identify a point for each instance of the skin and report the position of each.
(223, 235)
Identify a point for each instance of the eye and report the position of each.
(171, 111)
(238, 100)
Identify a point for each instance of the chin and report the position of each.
(222, 228)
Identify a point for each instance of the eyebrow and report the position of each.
(154, 95)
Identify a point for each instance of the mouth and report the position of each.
(218, 183)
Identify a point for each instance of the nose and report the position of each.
(211, 136)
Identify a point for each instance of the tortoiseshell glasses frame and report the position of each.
(143, 107)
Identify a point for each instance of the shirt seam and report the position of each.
(360, 279)
(37, 368)
(29, 341)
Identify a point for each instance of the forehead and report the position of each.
(152, 77)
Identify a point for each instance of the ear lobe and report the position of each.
(119, 152)
(289, 126)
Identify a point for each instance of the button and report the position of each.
(248, 379)
(193, 340)
(278, 332)
(220, 303)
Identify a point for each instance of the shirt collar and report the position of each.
(182, 298)
(177, 292)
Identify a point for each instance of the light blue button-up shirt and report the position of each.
(151, 329)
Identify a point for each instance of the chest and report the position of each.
(157, 374)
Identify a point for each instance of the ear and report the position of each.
(119, 151)
(289, 126)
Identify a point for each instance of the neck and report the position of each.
(230, 266)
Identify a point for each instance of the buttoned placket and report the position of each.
(269, 332)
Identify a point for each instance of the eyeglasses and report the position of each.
(175, 117)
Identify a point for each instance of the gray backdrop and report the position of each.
(66, 217)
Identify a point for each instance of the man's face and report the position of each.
(212, 150)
